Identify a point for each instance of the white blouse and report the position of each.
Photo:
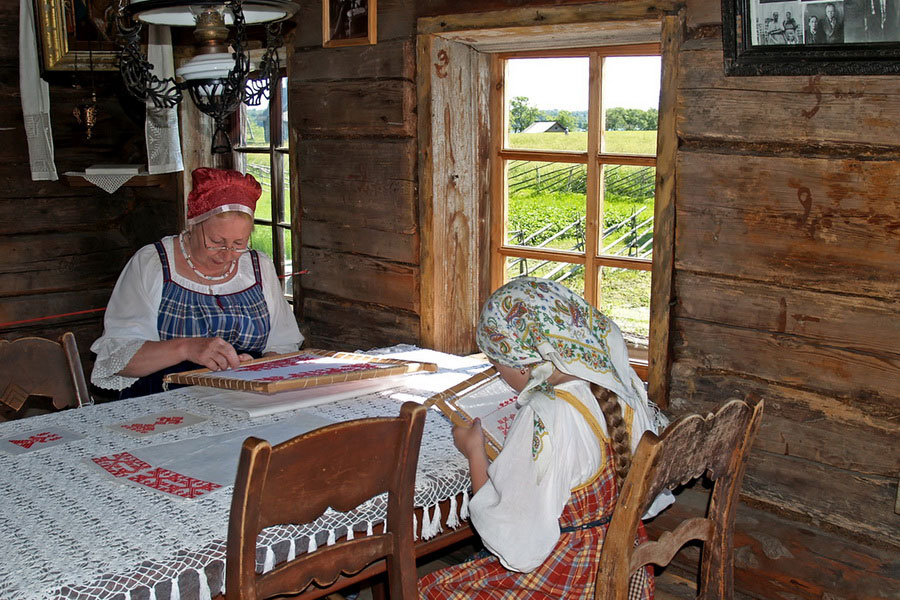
(517, 511)
(133, 308)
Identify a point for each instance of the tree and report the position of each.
(566, 119)
(521, 114)
(631, 119)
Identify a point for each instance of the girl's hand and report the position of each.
(469, 439)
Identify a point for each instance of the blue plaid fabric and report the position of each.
(241, 318)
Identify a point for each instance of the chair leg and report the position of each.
(380, 589)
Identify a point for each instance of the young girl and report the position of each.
(543, 506)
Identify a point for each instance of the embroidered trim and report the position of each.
(537, 439)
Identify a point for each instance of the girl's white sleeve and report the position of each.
(284, 335)
(516, 513)
(130, 319)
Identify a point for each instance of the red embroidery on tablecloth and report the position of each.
(174, 483)
(121, 464)
(328, 371)
(148, 427)
(38, 438)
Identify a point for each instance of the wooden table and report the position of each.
(71, 530)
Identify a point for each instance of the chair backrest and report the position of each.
(338, 466)
(716, 445)
(40, 373)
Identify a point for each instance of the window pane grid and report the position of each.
(579, 201)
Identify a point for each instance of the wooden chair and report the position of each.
(717, 445)
(37, 374)
(338, 466)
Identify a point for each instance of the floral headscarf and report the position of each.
(532, 321)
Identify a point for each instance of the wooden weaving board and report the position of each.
(485, 396)
(299, 370)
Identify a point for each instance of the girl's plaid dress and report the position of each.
(570, 570)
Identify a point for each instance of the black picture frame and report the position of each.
(861, 49)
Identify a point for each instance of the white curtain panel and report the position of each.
(35, 95)
(161, 125)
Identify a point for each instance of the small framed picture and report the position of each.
(348, 23)
(811, 37)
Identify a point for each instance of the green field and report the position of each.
(552, 194)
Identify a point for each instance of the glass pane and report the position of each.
(547, 205)
(285, 130)
(255, 131)
(628, 211)
(569, 274)
(261, 238)
(547, 100)
(258, 166)
(630, 101)
(625, 298)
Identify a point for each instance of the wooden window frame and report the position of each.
(454, 76)
(595, 160)
(278, 152)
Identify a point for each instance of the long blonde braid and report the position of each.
(618, 433)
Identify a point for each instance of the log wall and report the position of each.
(62, 247)
(785, 279)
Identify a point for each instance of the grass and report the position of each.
(624, 293)
(615, 142)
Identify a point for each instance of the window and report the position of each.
(577, 158)
(262, 151)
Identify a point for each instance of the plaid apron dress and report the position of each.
(241, 319)
(571, 569)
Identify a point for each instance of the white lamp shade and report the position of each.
(180, 14)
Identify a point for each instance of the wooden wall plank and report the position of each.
(361, 326)
(780, 559)
(790, 360)
(361, 278)
(851, 322)
(826, 224)
(360, 107)
(394, 59)
(399, 247)
(863, 504)
(362, 183)
(847, 434)
(802, 111)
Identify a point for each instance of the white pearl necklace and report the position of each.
(187, 258)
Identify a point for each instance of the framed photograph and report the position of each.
(72, 34)
(348, 23)
(811, 37)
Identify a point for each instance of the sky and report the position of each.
(562, 83)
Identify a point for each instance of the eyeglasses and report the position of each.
(222, 248)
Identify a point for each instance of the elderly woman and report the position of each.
(199, 299)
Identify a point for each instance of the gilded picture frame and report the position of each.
(73, 34)
(349, 23)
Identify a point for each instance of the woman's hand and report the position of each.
(469, 439)
(213, 353)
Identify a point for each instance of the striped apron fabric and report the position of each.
(570, 570)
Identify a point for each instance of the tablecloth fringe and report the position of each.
(203, 590)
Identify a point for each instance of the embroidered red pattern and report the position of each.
(328, 371)
(122, 464)
(148, 427)
(38, 438)
(174, 483)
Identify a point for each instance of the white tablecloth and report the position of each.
(71, 531)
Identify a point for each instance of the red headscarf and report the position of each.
(216, 191)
